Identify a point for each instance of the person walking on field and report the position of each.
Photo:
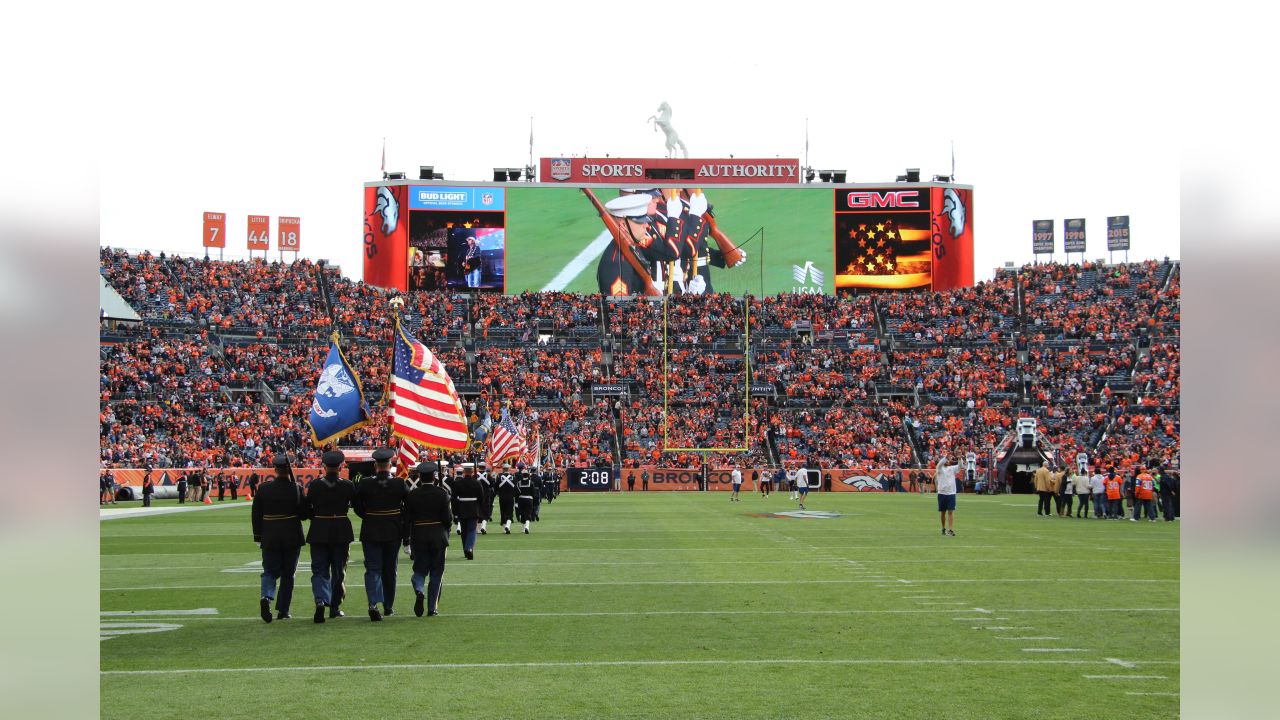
(945, 482)
(1044, 488)
(1080, 484)
(736, 479)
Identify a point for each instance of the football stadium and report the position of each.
(640, 438)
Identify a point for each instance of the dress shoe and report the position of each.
(264, 606)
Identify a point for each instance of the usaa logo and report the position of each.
(809, 279)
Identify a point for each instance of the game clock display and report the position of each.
(599, 479)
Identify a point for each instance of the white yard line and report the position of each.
(1127, 677)
(134, 613)
(1042, 637)
(579, 263)
(1049, 650)
(1154, 694)
(613, 663)
(119, 513)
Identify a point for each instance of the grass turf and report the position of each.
(672, 604)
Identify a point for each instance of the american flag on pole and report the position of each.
(409, 454)
(425, 406)
(507, 440)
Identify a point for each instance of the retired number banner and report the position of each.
(215, 230)
(289, 230)
(259, 232)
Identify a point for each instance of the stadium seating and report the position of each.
(221, 369)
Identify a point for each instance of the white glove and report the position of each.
(674, 208)
(697, 204)
(744, 259)
(696, 286)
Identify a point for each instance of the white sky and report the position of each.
(282, 110)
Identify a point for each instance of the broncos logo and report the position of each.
(389, 208)
(953, 208)
(864, 483)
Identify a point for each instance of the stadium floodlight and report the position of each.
(838, 176)
(913, 174)
(499, 174)
(824, 175)
(900, 178)
(942, 178)
(513, 174)
(395, 176)
(437, 176)
(425, 172)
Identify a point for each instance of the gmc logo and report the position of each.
(888, 199)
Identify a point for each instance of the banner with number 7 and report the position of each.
(215, 230)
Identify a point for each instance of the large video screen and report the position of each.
(671, 241)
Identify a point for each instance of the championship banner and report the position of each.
(215, 230)
(259, 232)
(1118, 232)
(1073, 235)
(1042, 237)
(591, 479)
(289, 230)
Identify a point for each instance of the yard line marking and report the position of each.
(122, 513)
(1055, 649)
(131, 613)
(1041, 637)
(908, 582)
(1005, 627)
(1157, 694)
(570, 272)
(1126, 677)
(633, 613)
(1121, 663)
(982, 611)
(977, 619)
(961, 602)
(610, 663)
(593, 583)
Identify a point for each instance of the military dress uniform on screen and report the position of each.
(330, 535)
(428, 517)
(278, 511)
(379, 501)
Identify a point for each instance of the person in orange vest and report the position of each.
(1144, 496)
(1114, 509)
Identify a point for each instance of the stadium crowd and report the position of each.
(221, 369)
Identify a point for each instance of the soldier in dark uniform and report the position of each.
(526, 497)
(487, 480)
(148, 489)
(644, 480)
(278, 512)
(182, 489)
(222, 485)
(379, 501)
(233, 482)
(426, 532)
(330, 535)
(651, 245)
(468, 497)
(550, 488)
(537, 492)
(506, 492)
(253, 484)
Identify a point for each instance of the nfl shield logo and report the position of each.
(486, 199)
(561, 168)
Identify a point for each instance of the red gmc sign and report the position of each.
(883, 199)
(629, 171)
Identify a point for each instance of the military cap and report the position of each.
(633, 207)
(426, 467)
(383, 455)
(280, 460)
(333, 458)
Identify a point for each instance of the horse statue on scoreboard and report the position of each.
(662, 121)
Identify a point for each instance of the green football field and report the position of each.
(666, 605)
(547, 228)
